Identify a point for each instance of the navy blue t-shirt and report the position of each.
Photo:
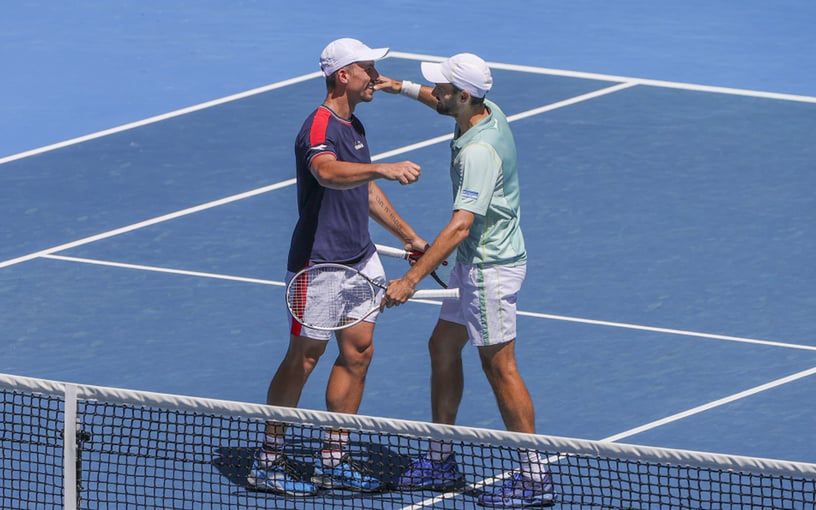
(332, 224)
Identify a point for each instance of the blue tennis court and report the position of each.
(669, 298)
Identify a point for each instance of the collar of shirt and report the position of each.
(460, 140)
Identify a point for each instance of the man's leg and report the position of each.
(344, 392)
(438, 470)
(270, 469)
(515, 404)
(447, 380)
(532, 486)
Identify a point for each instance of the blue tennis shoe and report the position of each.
(519, 492)
(280, 477)
(424, 473)
(348, 475)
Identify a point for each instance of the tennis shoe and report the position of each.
(348, 475)
(518, 491)
(424, 473)
(280, 477)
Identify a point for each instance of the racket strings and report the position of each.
(330, 297)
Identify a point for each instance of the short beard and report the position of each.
(443, 109)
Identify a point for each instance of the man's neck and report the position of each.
(471, 117)
(340, 105)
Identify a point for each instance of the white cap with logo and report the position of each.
(342, 52)
(465, 70)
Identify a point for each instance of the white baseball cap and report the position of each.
(465, 70)
(342, 52)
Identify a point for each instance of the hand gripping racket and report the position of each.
(330, 297)
(439, 274)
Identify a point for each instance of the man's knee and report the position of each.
(498, 362)
(446, 343)
(303, 354)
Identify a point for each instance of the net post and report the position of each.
(69, 448)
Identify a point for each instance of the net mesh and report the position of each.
(329, 296)
(198, 454)
(31, 465)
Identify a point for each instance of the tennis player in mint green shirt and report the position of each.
(490, 267)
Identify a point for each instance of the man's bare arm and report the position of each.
(382, 210)
(456, 231)
(392, 86)
(334, 174)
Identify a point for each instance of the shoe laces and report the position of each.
(288, 468)
(357, 466)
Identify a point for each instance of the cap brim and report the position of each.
(432, 72)
(375, 54)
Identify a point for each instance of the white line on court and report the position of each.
(288, 182)
(669, 331)
(147, 223)
(639, 81)
(156, 269)
(511, 118)
(438, 303)
(158, 118)
(628, 433)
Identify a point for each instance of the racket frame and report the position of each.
(441, 293)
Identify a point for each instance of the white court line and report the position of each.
(147, 223)
(639, 81)
(439, 303)
(631, 432)
(158, 118)
(156, 269)
(669, 331)
(511, 118)
(283, 184)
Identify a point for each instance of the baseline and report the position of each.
(639, 81)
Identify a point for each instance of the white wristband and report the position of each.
(410, 89)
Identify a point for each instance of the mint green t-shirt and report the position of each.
(485, 182)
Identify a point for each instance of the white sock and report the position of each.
(439, 451)
(532, 466)
(334, 444)
(272, 447)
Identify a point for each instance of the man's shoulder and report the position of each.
(478, 149)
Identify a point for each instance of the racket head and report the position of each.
(330, 297)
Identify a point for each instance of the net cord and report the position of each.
(562, 445)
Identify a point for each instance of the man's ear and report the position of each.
(343, 75)
(464, 96)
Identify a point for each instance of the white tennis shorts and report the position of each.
(371, 267)
(487, 304)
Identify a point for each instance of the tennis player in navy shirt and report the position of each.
(336, 193)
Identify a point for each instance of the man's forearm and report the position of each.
(382, 210)
(343, 174)
(445, 243)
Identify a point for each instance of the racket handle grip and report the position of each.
(387, 251)
(441, 293)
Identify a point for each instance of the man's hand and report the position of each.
(386, 84)
(406, 172)
(397, 293)
(417, 245)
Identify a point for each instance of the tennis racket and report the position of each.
(440, 274)
(330, 297)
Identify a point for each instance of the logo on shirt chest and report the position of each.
(358, 145)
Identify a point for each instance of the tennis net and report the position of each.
(77, 446)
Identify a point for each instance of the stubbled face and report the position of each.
(361, 79)
(447, 98)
